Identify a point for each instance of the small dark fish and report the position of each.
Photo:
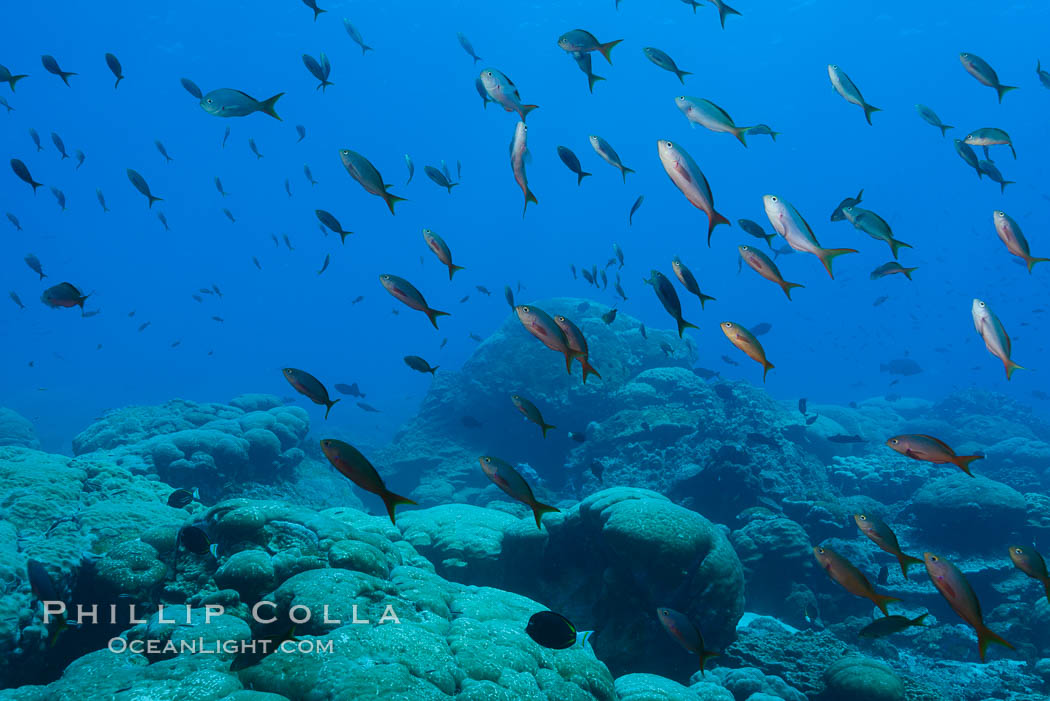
(810, 420)
(309, 175)
(368, 407)
(310, 387)
(729, 361)
(59, 145)
(762, 328)
(444, 342)
(641, 330)
(578, 436)
(182, 498)
(802, 406)
(705, 374)
(327, 259)
(51, 66)
(483, 290)
(475, 337)
(464, 299)
(288, 187)
(4, 103)
(163, 151)
(254, 148)
(634, 208)
(34, 264)
(16, 299)
(664, 61)
(229, 215)
(65, 295)
(312, 4)
(319, 69)
(7, 77)
(508, 294)
(35, 138)
(597, 469)
(22, 172)
(329, 221)
(419, 365)
(554, 631)
(753, 229)
(257, 263)
(438, 177)
(225, 137)
(143, 327)
(192, 88)
(163, 220)
(356, 36)
(196, 541)
(901, 366)
(467, 46)
(843, 438)
(79, 157)
(763, 129)
(287, 242)
(14, 221)
(572, 163)
(357, 299)
(218, 319)
(142, 186)
(666, 348)
(609, 316)
(587, 276)
(470, 422)
(218, 186)
(350, 390)
(888, 625)
(573, 269)
(879, 300)
(115, 68)
(301, 131)
(838, 214)
(60, 197)
(101, 199)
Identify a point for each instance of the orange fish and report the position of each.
(953, 586)
(746, 341)
(355, 466)
(918, 446)
(883, 536)
(507, 478)
(1032, 564)
(850, 578)
(679, 627)
(578, 344)
(403, 291)
(310, 387)
(542, 326)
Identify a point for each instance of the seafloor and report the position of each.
(703, 495)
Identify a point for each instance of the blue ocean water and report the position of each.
(414, 94)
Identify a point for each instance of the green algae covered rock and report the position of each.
(649, 687)
(861, 679)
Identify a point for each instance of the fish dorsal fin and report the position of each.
(721, 112)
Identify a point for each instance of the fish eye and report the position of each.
(773, 198)
(1019, 551)
(981, 304)
(728, 324)
(933, 558)
(524, 309)
(488, 459)
(820, 550)
(863, 517)
(894, 441)
(1001, 213)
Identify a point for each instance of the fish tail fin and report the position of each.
(433, 315)
(433, 371)
(881, 600)
(906, 560)
(391, 200)
(724, 11)
(986, 637)
(365, 49)
(705, 655)
(766, 367)
(1010, 367)
(740, 133)
(581, 175)
(1003, 89)
(868, 110)
(568, 361)
(1003, 184)
(624, 171)
(829, 254)
(268, 105)
(65, 75)
(452, 269)
(714, 220)
(35, 185)
(118, 82)
(592, 79)
(538, 509)
(944, 129)
(317, 12)
(1013, 151)
(588, 369)
(908, 271)
(329, 404)
(1046, 585)
(525, 109)
(896, 245)
(705, 298)
(683, 325)
(153, 199)
(392, 501)
(450, 186)
(787, 287)
(769, 240)
(963, 462)
(681, 75)
(606, 49)
(1029, 260)
(14, 79)
(529, 197)
(545, 427)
